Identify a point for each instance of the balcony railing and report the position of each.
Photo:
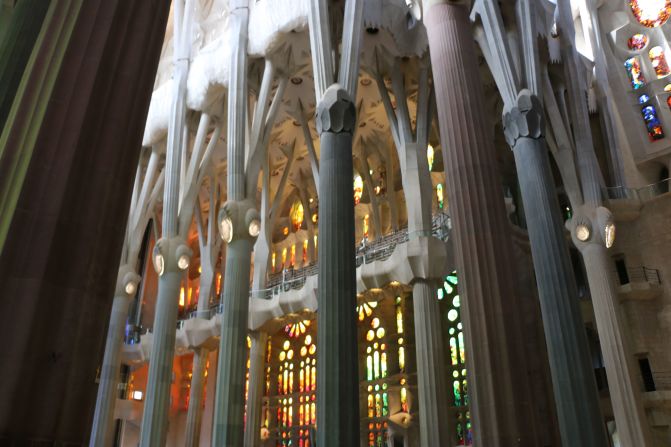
(641, 194)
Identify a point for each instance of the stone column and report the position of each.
(195, 411)
(630, 418)
(434, 419)
(337, 364)
(496, 372)
(575, 392)
(159, 378)
(257, 375)
(234, 222)
(103, 419)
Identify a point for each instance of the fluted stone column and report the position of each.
(496, 372)
(434, 421)
(159, 378)
(230, 402)
(103, 419)
(257, 375)
(575, 391)
(195, 412)
(630, 417)
(337, 364)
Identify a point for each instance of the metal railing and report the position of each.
(640, 275)
(366, 253)
(642, 194)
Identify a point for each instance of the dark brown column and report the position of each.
(58, 262)
(496, 364)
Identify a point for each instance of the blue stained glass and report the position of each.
(652, 123)
(643, 99)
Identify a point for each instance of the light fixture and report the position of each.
(582, 232)
(183, 262)
(254, 228)
(137, 395)
(226, 229)
(609, 234)
(130, 288)
(183, 255)
(159, 262)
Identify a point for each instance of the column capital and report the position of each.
(526, 119)
(336, 112)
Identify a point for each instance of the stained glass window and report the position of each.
(449, 294)
(643, 99)
(651, 13)
(366, 220)
(636, 77)
(305, 252)
(440, 196)
(358, 189)
(284, 257)
(637, 42)
(297, 214)
(365, 309)
(658, 60)
(272, 261)
(376, 368)
(654, 127)
(430, 156)
(297, 383)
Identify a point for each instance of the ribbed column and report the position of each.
(337, 364)
(230, 402)
(436, 427)
(207, 418)
(157, 401)
(574, 387)
(496, 365)
(257, 374)
(195, 411)
(630, 418)
(103, 420)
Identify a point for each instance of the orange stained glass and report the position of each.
(305, 251)
(658, 61)
(284, 257)
(272, 261)
(651, 13)
(293, 255)
(297, 214)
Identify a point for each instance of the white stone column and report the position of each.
(257, 376)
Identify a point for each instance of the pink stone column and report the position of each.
(500, 407)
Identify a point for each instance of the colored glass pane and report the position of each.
(654, 127)
(633, 67)
(358, 189)
(440, 196)
(297, 214)
(366, 220)
(651, 13)
(658, 60)
(668, 101)
(637, 42)
(430, 156)
(643, 99)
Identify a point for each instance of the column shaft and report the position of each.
(103, 420)
(575, 392)
(436, 427)
(337, 364)
(157, 402)
(630, 417)
(257, 363)
(230, 402)
(496, 369)
(195, 411)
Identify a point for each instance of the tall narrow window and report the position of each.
(651, 13)
(297, 215)
(366, 220)
(440, 196)
(654, 127)
(636, 77)
(449, 294)
(658, 60)
(358, 189)
(430, 156)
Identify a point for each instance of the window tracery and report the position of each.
(651, 13)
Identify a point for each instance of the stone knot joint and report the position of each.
(526, 119)
(336, 112)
